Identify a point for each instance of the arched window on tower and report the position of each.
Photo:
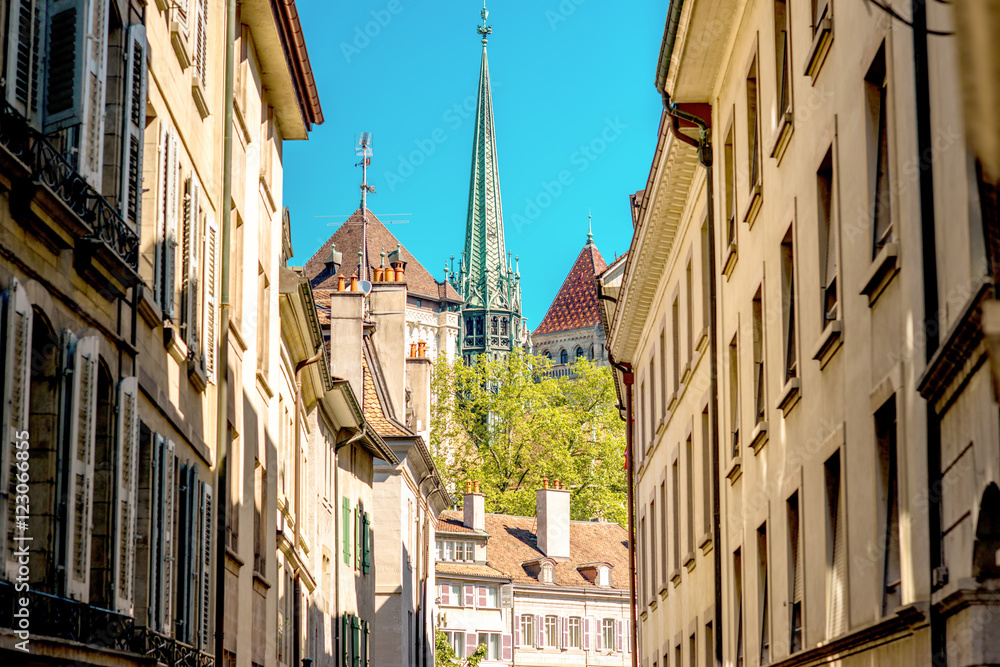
(564, 357)
(579, 352)
(493, 326)
(547, 355)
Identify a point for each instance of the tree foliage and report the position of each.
(444, 654)
(506, 422)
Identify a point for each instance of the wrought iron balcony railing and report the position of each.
(169, 651)
(47, 166)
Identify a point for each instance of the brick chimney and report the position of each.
(552, 513)
(474, 505)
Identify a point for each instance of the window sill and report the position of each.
(689, 561)
(259, 580)
(790, 395)
(652, 604)
(241, 122)
(730, 263)
(263, 386)
(672, 401)
(198, 93)
(702, 338)
(735, 470)
(148, 309)
(782, 136)
(664, 591)
(822, 40)
(705, 543)
(662, 424)
(759, 437)
(236, 335)
(881, 272)
(753, 208)
(686, 373)
(675, 577)
(174, 343)
(179, 40)
(266, 189)
(644, 614)
(830, 341)
(196, 376)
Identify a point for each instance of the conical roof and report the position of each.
(576, 306)
(347, 240)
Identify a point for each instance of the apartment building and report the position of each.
(789, 215)
(539, 590)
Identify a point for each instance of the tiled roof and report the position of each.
(376, 413)
(512, 541)
(419, 281)
(467, 570)
(452, 522)
(576, 305)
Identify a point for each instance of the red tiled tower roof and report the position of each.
(575, 306)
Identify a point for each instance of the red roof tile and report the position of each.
(575, 306)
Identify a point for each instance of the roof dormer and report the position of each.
(544, 569)
(598, 574)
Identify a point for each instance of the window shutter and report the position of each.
(134, 112)
(366, 540)
(620, 636)
(565, 631)
(17, 320)
(159, 237)
(205, 543)
(586, 633)
(128, 488)
(76, 77)
(211, 312)
(356, 640)
(507, 650)
(470, 643)
(469, 595)
(517, 630)
(628, 637)
(165, 537)
(347, 530)
(483, 602)
(368, 646)
(837, 620)
(153, 538)
(345, 638)
(170, 230)
(187, 561)
(83, 353)
(26, 44)
(357, 537)
(540, 630)
(201, 41)
(598, 634)
(190, 269)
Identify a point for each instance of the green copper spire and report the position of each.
(492, 311)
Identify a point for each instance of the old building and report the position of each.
(572, 326)
(777, 333)
(490, 285)
(535, 591)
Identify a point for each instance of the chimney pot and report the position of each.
(468, 486)
(545, 482)
(354, 283)
(390, 275)
(422, 352)
(379, 274)
(475, 486)
(340, 283)
(413, 349)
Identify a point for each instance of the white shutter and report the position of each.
(155, 543)
(82, 410)
(76, 77)
(201, 41)
(16, 382)
(128, 486)
(540, 630)
(517, 629)
(166, 536)
(159, 238)
(206, 543)
(136, 54)
(26, 45)
(171, 191)
(190, 269)
(211, 312)
(586, 633)
(598, 634)
(179, 15)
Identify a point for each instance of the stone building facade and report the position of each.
(779, 331)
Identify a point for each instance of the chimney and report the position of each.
(474, 505)
(552, 513)
(387, 309)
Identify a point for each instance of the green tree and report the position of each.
(508, 423)
(444, 654)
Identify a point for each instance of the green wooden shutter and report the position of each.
(345, 638)
(357, 539)
(347, 531)
(368, 647)
(356, 641)
(366, 541)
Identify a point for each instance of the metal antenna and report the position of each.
(363, 149)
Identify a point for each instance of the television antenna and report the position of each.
(363, 149)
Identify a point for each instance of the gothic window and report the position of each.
(503, 326)
(547, 355)
(579, 352)
(493, 325)
(564, 357)
(479, 326)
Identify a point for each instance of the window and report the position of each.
(527, 630)
(689, 483)
(706, 474)
(489, 596)
(759, 400)
(693, 650)
(729, 168)
(664, 553)
(762, 596)
(795, 583)
(640, 419)
(689, 315)
(493, 646)
(168, 193)
(888, 505)
(827, 238)
(652, 549)
(457, 640)
(753, 128)
(547, 355)
(738, 604)
(563, 357)
(664, 394)
(782, 74)
(575, 633)
(876, 92)
(836, 556)
(820, 9)
(451, 594)
(551, 631)
(260, 514)
(608, 633)
(788, 304)
(709, 651)
(579, 352)
(652, 396)
(548, 573)
(675, 334)
(263, 320)
(676, 479)
(451, 550)
(643, 549)
(734, 396)
(706, 297)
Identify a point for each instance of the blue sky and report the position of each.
(573, 97)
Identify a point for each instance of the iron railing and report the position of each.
(47, 166)
(169, 651)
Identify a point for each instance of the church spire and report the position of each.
(486, 280)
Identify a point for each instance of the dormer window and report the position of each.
(604, 576)
(547, 575)
(598, 574)
(451, 550)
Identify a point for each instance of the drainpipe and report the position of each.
(627, 379)
(222, 367)
(925, 154)
(298, 439)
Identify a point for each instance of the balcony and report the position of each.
(51, 198)
(169, 651)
